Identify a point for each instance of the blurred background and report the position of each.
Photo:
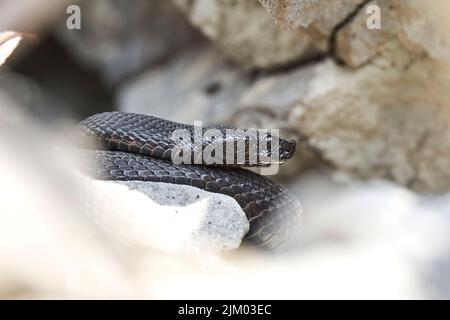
(361, 85)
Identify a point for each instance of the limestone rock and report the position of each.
(247, 34)
(411, 24)
(174, 218)
(388, 117)
(374, 122)
(323, 16)
(355, 44)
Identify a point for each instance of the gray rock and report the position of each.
(318, 16)
(165, 216)
(197, 85)
(386, 118)
(367, 122)
(419, 27)
(246, 33)
(120, 39)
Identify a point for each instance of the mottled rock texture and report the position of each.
(378, 106)
(244, 32)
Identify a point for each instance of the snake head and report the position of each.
(270, 149)
(286, 149)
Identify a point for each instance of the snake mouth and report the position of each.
(272, 163)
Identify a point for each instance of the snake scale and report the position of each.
(127, 146)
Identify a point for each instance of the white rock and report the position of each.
(166, 216)
(317, 15)
(246, 33)
(419, 26)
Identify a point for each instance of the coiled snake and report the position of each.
(128, 146)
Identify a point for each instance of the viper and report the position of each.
(127, 146)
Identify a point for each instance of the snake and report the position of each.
(121, 146)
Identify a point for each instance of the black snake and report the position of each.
(127, 146)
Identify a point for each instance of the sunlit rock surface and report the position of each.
(169, 217)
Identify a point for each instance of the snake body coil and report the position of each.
(126, 146)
